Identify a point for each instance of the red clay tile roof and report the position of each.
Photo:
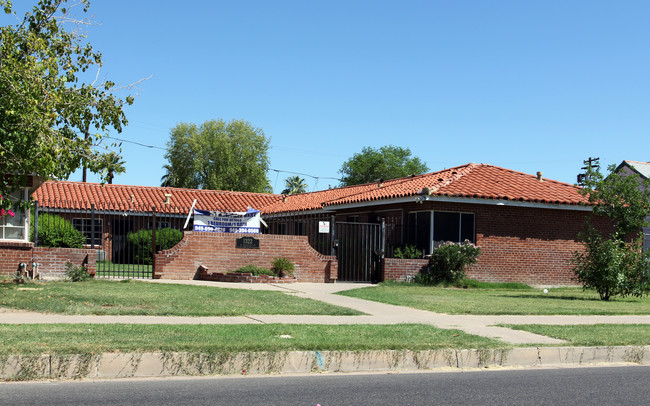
(468, 181)
(479, 181)
(79, 195)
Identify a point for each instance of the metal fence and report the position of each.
(303, 224)
(123, 237)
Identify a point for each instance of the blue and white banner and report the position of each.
(222, 222)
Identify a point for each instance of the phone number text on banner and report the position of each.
(222, 222)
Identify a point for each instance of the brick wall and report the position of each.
(402, 269)
(12, 254)
(217, 253)
(518, 244)
(51, 261)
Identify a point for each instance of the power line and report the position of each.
(303, 174)
(271, 169)
(137, 143)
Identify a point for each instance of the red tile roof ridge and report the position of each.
(113, 185)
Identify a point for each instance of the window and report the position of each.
(84, 225)
(13, 228)
(159, 225)
(427, 230)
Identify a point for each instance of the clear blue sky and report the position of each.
(526, 85)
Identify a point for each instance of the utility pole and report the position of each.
(589, 164)
(85, 169)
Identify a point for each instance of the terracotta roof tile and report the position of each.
(79, 195)
(480, 181)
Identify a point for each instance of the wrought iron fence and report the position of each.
(123, 237)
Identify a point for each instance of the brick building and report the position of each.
(526, 226)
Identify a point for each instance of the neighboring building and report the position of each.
(16, 228)
(642, 169)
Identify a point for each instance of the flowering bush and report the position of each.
(448, 263)
(5, 212)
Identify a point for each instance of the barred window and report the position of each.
(84, 226)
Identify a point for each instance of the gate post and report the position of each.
(333, 236)
(92, 226)
(153, 245)
(35, 224)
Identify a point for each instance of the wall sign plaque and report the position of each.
(247, 243)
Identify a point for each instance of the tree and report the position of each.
(45, 110)
(613, 262)
(294, 185)
(218, 155)
(388, 162)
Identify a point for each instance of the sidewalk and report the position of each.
(376, 313)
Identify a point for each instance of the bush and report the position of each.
(256, 271)
(407, 252)
(55, 231)
(140, 243)
(282, 267)
(612, 267)
(448, 263)
(76, 273)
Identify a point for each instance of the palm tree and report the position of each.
(113, 164)
(167, 179)
(294, 184)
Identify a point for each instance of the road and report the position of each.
(578, 386)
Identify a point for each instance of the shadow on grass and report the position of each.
(568, 298)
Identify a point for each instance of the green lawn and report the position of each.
(593, 335)
(500, 301)
(131, 297)
(100, 338)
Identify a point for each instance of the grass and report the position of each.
(100, 338)
(593, 335)
(129, 297)
(495, 299)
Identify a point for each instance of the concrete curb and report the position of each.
(117, 365)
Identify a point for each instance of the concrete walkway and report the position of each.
(376, 313)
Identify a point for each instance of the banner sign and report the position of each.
(221, 222)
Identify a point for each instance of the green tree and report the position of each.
(294, 185)
(45, 110)
(613, 262)
(388, 162)
(218, 155)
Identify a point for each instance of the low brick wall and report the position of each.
(205, 275)
(51, 261)
(402, 270)
(12, 254)
(218, 253)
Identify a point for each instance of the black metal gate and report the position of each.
(359, 250)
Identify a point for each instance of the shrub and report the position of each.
(76, 273)
(407, 252)
(282, 267)
(448, 263)
(612, 267)
(256, 271)
(55, 231)
(140, 243)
